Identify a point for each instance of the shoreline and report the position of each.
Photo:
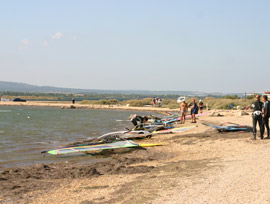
(202, 162)
(68, 105)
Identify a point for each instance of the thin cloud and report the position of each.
(57, 35)
(44, 43)
(75, 38)
(24, 44)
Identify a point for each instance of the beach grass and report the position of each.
(210, 102)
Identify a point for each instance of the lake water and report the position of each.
(26, 131)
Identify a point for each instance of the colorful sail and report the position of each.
(88, 148)
(174, 130)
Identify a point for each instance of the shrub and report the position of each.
(138, 103)
(101, 102)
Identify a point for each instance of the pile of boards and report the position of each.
(122, 139)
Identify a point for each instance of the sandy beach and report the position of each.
(196, 166)
(69, 105)
(90, 96)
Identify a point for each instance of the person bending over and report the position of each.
(138, 121)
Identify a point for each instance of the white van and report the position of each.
(180, 99)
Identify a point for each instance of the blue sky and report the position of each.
(140, 45)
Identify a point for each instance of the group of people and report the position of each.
(157, 101)
(194, 108)
(261, 114)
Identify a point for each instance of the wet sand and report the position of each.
(197, 166)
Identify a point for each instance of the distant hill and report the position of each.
(27, 88)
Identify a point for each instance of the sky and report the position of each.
(175, 45)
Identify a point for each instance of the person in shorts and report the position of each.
(194, 111)
(201, 106)
(183, 110)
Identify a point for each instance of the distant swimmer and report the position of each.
(266, 115)
(257, 107)
(183, 111)
(138, 121)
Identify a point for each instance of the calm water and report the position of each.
(26, 131)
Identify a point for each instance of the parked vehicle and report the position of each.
(19, 100)
(180, 99)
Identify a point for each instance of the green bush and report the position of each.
(101, 102)
(222, 103)
(231, 97)
(138, 103)
(170, 103)
(213, 103)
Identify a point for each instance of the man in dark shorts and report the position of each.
(201, 106)
(257, 116)
(194, 111)
(266, 115)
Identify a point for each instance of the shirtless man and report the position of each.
(183, 110)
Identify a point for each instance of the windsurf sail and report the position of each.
(95, 147)
(174, 130)
(178, 118)
(231, 128)
(126, 134)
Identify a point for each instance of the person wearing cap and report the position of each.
(266, 115)
(183, 110)
(257, 116)
(201, 106)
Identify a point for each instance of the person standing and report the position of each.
(266, 115)
(257, 116)
(201, 106)
(194, 111)
(183, 110)
(154, 101)
(73, 100)
(159, 102)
